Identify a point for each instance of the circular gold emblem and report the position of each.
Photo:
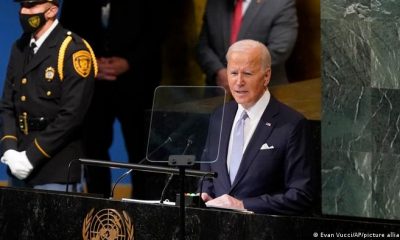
(49, 73)
(107, 224)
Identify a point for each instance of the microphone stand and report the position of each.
(188, 144)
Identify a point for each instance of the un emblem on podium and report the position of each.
(107, 224)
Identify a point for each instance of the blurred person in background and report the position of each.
(125, 36)
(272, 22)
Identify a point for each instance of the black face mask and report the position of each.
(30, 23)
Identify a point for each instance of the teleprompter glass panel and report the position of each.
(180, 119)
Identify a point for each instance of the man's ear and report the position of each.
(267, 77)
(52, 12)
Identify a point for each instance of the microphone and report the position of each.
(189, 143)
(174, 138)
(185, 128)
(162, 198)
(169, 139)
(68, 172)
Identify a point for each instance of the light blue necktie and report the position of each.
(237, 146)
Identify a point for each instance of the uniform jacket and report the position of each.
(36, 90)
(272, 22)
(275, 175)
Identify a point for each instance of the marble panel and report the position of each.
(385, 9)
(346, 118)
(352, 9)
(346, 52)
(366, 10)
(360, 115)
(386, 186)
(384, 120)
(346, 183)
(385, 54)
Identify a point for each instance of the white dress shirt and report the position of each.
(254, 115)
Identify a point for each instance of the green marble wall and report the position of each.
(361, 108)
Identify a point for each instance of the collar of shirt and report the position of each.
(246, 4)
(254, 113)
(42, 38)
(105, 15)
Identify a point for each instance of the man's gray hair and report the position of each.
(247, 45)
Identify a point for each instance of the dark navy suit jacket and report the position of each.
(276, 179)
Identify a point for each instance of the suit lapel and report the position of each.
(249, 16)
(21, 53)
(227, 21)
(24, 58)
(260, 135)
(44, 51)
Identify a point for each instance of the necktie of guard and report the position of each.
(31, 53)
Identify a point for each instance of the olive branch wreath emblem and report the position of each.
(116, 226)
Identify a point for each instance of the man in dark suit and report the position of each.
(126, 37)
(48, 87)
(272, 22)
(273, 172)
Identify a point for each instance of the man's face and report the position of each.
(246, 77)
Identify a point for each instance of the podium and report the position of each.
(30, 214)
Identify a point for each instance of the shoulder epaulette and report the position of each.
(63, 49)
(61, 55)
(96, 68)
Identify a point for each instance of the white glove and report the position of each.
(9, 154)
(18, 163)
(3, 159)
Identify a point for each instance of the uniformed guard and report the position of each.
(47, 91)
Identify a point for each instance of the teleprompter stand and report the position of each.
(181, 161)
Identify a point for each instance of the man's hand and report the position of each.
(226, 201)
(110, 68)
(206, 197)
(18, 163)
